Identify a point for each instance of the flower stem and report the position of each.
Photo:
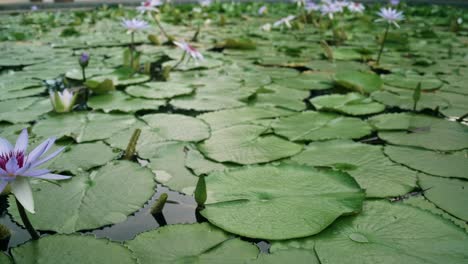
(26, 222)
(83, 73)
(131, 49)
(383, 44)
(180, 61)
(160, 26)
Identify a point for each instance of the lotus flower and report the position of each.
(16, 165)
(149, 6)
(284, 21)
(356, 7)
(330, 9)
(84, 59)
(262, 10)
(390, 15)
(193, 52)
(134, 25)
(394, 2)
(63, 101)
(312, 6)
(205, 3)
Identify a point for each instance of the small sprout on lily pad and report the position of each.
(200, 191)
(131, 147)
(158, 206)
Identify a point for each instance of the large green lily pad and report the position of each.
(403, 99)
(5, 259)
(436, 163)
(351, 104)
(363, 82)
(298, 256)
(90, 200)
(24, 109)
(281, 97)
(195, 243)
(244, 144)
(388, 233)
(450, 195)
(312, 125)
(121, 102)
(159, 90)
(60, 249)
(367, 164)
(279, 202)
(411, 81)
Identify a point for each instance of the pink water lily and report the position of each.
(356, 7)
(149, 6)
(16, 166)
(193, 52)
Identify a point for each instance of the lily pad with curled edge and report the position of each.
(311, 125)
(363, 82)
(245, 144)
(193, 243)
(451, 195)
(121, 102)
(297, 256)
(83, 127)
(159, 90)
(367, 164)
(243, 115)
(351, 104)
(411, 81)
(453, 164)
(76, 158)
(5, 259)
(279, 202)
(403, 99)
(24, 110)
(60, 249)
(387, 232)
(90, 200)
(421, 131)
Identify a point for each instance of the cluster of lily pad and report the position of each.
(299, 133)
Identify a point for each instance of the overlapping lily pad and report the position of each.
(24, 109)
(159, 90)
(121, 102)
(363, 82)
(312, 125)
(196, 243)
(351, 104)
(279, 202)
(90, 200)
(299, 256)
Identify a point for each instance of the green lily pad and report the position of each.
(24, 109)
(244, 115)
(279, 202)
(195, 243)
(77, 158)
(421, 131)
(411, 81)
(121, 102)
(244, 144)
(178, 127)
(450, 195)
(299, 256)
(88, 201)
(281, 97)
(59, 249)
(307, 81)
(367, 164)
(312, 125)
(436, 163)
(396, 233)
(159, 90)
(200, 165)
(82, 126)
(5, 259)
(363, 82)
(351, 104)
(403, 99)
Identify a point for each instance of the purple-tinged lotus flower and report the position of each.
(84, 60)
(149, 6)
(134, 25)
(262, 10)
(284, 21)
(341, 4)
(356, 7)
(34, 8)
(312, 6)
(330, 9)
(394, 2)
(390, 15)
(16, 165)
(193, 52)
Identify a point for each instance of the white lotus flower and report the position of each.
(149, 6)
(284, 21)
(63, 101)
(330, 9)
(134, 25)
(262, 10)
(356, 7)
(266, 27)
(193, 52)
(312, 6)
(390, 15)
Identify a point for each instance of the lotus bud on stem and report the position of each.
(159, 205)
(26, 222)
(131, 147)
(200, 191)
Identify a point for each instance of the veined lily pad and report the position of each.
(24, 109)
(298, 256)
(411, 81)
(312, 125)
(351, 104)
(403, 99)
(279, 202)
(394, 233)
(87, 201)
(367, 164)
(200, 165)
(436, 163)
(121, 102)
(195, 243)
(59, 249)
(244, 144)
(281, 97)
(307, 81)
(362, 82)
(159, 90)
(450, 195)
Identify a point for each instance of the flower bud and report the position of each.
(84, 60)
